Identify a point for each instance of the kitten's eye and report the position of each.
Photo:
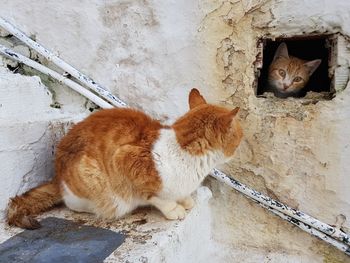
(297, 79)
(282, 73)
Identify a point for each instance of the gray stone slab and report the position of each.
(60, 240)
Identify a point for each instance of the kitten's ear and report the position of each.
(312, 65)
(195, 99)
(282, 51)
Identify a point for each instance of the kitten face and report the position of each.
(289, 75)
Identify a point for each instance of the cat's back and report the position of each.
(108, 129)
(119, 119)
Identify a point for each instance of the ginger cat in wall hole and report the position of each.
(118, 159)
(288, 75)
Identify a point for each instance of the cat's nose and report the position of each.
(285, 86)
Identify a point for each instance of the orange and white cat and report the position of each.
(288, 75)
(118, 159)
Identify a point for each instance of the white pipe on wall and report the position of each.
(305, 222)
(312, 231)
(73, 85)
(61, 64)
(281, 208)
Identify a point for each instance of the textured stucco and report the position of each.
(294, 150)
(29, 131)
(150, 53)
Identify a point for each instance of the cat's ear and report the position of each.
(234, 112)
(312, 65)
(195, 99)
(282, 51)
(227, 118)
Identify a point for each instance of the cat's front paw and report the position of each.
(187, 202)
(178, 212)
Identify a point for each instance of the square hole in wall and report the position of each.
(308, 48)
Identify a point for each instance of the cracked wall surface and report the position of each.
(151, 53)
(294, 150)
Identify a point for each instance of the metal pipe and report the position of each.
(73, 85)
(104, 93)
(312, 231)
(282, 208)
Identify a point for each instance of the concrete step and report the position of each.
(27, 152)
(149, 237)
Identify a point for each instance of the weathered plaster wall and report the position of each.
(294, 151)
(29, 130)
(151, 53)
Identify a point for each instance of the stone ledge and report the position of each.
(149, 236)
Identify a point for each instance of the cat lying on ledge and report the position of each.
(119, 159)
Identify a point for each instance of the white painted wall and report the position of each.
(29, 130)
(150, 54)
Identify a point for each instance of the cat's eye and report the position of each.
(297, 79)
(282, 73)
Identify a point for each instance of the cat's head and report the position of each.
(289, 74)
(207, 127)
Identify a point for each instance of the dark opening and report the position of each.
(307, 48)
